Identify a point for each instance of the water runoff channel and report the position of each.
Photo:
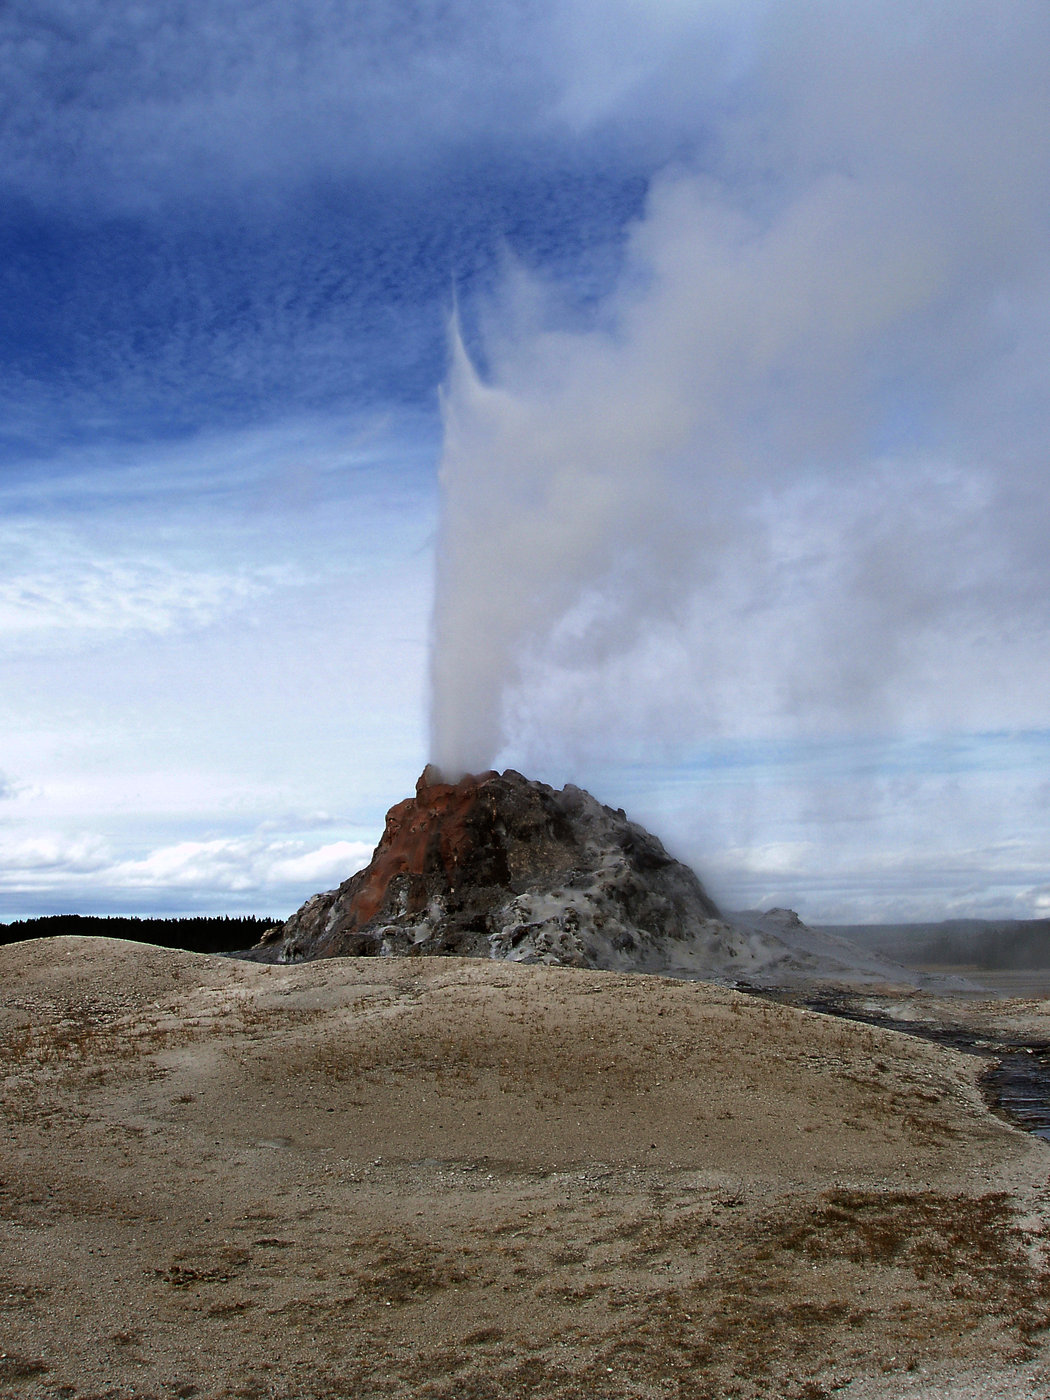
(1015, 1082)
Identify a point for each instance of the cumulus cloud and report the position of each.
(49, 856)
(241, 865)
(258, 870)
(788, 479)
(327, 866)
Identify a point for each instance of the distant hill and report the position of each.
(200, 933)
(984, 943)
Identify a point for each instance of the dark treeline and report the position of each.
(201, 933)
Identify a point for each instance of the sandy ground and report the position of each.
(468, 1180)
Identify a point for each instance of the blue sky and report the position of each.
(741, 511)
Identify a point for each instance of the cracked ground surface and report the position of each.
(466, 1180)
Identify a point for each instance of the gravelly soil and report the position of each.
(442, 1178)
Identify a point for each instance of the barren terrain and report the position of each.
(448, 1178)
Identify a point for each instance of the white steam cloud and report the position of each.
(792, 474)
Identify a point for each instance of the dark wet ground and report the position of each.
(1020, 1087)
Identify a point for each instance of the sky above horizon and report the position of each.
(689, 359)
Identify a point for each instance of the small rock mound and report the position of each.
(499, 866)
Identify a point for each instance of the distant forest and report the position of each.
(201, 933)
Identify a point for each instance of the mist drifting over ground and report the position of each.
(788, 479)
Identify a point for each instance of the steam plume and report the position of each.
(790, 473)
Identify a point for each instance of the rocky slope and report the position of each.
(499, 866)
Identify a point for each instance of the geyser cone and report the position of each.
(495, 865)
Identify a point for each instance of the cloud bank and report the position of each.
(136, 107)
(788, 477)
(260, 872)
